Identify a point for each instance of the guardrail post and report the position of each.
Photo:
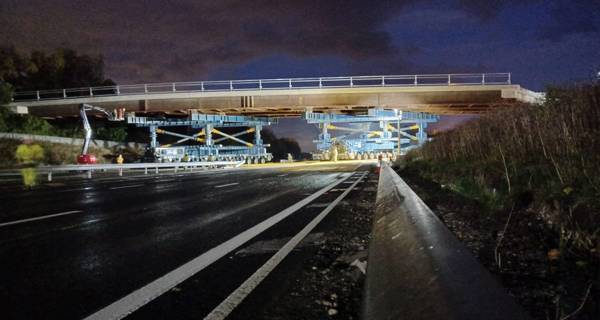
(120, 172)
(383, 81)
(174, 87)
(509, 78)
(202, 85)
(156, 170)
(145, 88)
(146, 170)
(260, 84)
(230, 85)
(351, 82)
(449, 81)
(91, 92)
(89, 174)
(416, 81)
(175, 169)
(118, 90)
(49, 176)
(320, 82)
(38, 95)
(290, 82)
(483, 78)
(64, 93)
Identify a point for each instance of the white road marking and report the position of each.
(237, 296)
(135, 300)
(226, 185)
(75, 189)
(123, 187)
(39, 218)
(317, 205)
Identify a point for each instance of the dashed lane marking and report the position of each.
(227, 185)
(237, 296)
(135, 300)
(38, 218)
(123, 187)
(317, 205)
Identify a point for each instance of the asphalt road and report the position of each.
(75, 248)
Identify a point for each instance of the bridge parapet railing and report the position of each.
(269, 84)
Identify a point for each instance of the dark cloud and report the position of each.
(168, 40)
(179, 40)
(487, 9)
(572, 17)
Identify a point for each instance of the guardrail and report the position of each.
(418, 270)
(269, 84)
(89, 168)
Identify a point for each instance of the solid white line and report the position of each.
(39, 218)
(135, 300)
(237, 296)
(130, 186)
(226, 185)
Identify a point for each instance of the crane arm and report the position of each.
(116, 115)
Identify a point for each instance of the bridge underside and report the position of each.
(442, 100)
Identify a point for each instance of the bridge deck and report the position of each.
(439, 94)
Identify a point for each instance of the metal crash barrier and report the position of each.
(89, 168)
(417, 269)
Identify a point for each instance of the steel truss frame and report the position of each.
(209, 149)
(397, 131)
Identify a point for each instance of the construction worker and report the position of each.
(120, 159)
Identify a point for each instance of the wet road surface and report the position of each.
(71, 248)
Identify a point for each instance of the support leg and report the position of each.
(153, 143)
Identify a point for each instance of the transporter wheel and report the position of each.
(262, 160)
(371, 155)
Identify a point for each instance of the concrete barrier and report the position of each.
(417, 269)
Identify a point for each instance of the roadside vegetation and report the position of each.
(536, 164)
(15, 153)
(38, 70)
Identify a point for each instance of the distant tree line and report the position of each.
(61, 68)
(280, 147)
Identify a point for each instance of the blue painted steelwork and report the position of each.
(210, 149)
(397, 132)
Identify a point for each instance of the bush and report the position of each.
(547, 156)
(29, 154)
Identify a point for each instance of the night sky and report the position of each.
(540, 42)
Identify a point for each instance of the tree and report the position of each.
(280, 147)
(5, 92)
(62, 68)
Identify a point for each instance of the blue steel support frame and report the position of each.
(208, 123)
(386, 141)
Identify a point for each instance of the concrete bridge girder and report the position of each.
(432, 99)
